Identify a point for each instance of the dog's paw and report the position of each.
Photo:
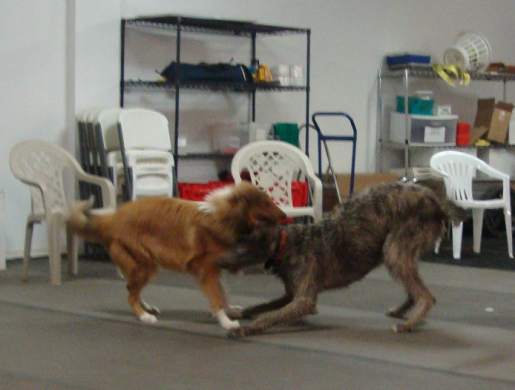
(148, 318)
(225, 322)
(401, 328)
(241, 331)
(235, 312)
(149, 309)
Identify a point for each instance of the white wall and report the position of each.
(349, 41)
(32, 97)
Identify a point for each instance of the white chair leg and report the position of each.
(509, 237)
(457, 232)
(26, 251)
(72, 251)
(477, 219)
(54, 250)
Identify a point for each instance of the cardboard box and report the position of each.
(485, 110)
(361, 181)
(500, 121)
(492, 121)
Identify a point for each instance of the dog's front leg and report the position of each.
(294, 311)
(212, 288)
(262, 308)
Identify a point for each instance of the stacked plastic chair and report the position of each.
(130, 146)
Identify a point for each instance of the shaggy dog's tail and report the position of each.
(79, 220)
(454, 213)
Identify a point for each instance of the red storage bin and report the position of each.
(462, 134)
(198, 191)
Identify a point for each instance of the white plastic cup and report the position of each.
(297, 75)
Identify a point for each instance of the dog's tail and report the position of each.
(79, 220)
(452, 211)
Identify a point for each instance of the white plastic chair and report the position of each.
(273, 166)
(458, 170)
(143, 148)
(41, 165)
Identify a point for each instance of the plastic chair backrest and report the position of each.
(41, 163)
(144, 129)
(273, 166)
(459, 169)
(108, 121)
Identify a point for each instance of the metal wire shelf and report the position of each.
(210, 26)
(142, 85)
(427, 72)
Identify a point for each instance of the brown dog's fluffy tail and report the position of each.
(454, 213)
(81, 223)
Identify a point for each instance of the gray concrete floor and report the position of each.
(45, 348)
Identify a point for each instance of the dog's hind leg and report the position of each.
(400, 258)
(400, 311)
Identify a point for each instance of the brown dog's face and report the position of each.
(259, 206)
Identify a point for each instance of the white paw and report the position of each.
(148, 318)
(231, 324)
(226, 322)
(235, 307)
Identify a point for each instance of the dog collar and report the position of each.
(273, 262)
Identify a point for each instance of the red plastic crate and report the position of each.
(198, 191)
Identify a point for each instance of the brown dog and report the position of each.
(179, 235)
(390, 224)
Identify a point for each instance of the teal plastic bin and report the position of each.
(287, 132)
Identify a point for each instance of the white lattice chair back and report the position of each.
(42, 164)
(273, 166)
(458, 170)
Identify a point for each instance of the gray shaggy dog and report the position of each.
(391, 224)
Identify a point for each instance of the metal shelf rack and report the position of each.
(175, 25)
(406, 75)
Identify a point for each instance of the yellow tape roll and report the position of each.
(448, 71)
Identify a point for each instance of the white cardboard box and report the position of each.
(434, 134)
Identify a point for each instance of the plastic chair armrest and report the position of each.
(106, 187)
